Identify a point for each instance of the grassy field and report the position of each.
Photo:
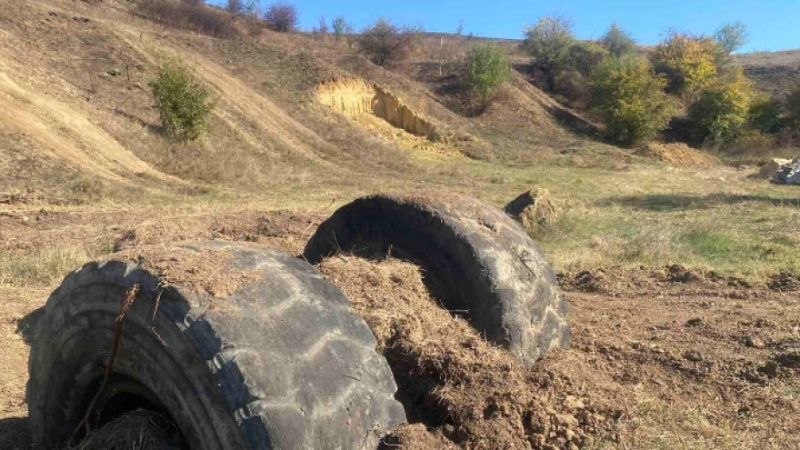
(83, 163)
(642, 214)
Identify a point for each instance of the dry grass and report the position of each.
(271, 142)
(192, 16)
(272, 145)
(40, 266)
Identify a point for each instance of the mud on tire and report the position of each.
(283, 362)
(475, 258)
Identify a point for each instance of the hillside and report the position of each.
(681, 271)
(776, 73)
(267, 117)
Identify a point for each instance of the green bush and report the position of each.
(751, 144)
(765, 114)
(618, 42)
(732, 36)
(630, 97)
(721, 111)
(548, 42)
(584, 56)
(181, 100)
(487, 69)
(573, 86)
(571, 81)
(341, 28)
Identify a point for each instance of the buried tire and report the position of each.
(476, 260)
(281, 362)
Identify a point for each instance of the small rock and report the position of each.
(532, 209)
(114, 72)
(52, 14)
(692, 355)
(754, 342)
(139, 66)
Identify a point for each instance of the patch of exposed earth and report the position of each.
(661, 358)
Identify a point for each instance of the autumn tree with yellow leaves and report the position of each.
(688, 61)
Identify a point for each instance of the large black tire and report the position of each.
(282, 363)
(475, 259)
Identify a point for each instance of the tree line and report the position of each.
(688, 85)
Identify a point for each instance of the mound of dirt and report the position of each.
(673, 279)
(676, 153)
(465, 391)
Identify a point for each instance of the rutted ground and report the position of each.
(669, 359)
(663, 357)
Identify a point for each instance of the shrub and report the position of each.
(181, 100)
(764, 114)
(793, 111)
(571, 81)
(732, 36)
(340, 28)
(584, 56)
(721, 110)
(573, 86)
(235, 7)
(688, 61)
(386, 44)
(548, 43)
(281, 17)
(190, 15)
(487, 69)
(251, 13)
(630, 97)
(618, 42)
(751, 144)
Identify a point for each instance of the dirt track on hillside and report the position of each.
(658, 361)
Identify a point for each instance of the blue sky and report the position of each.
(774, 24)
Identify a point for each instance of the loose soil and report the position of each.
(678, 154)
(661, 358)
